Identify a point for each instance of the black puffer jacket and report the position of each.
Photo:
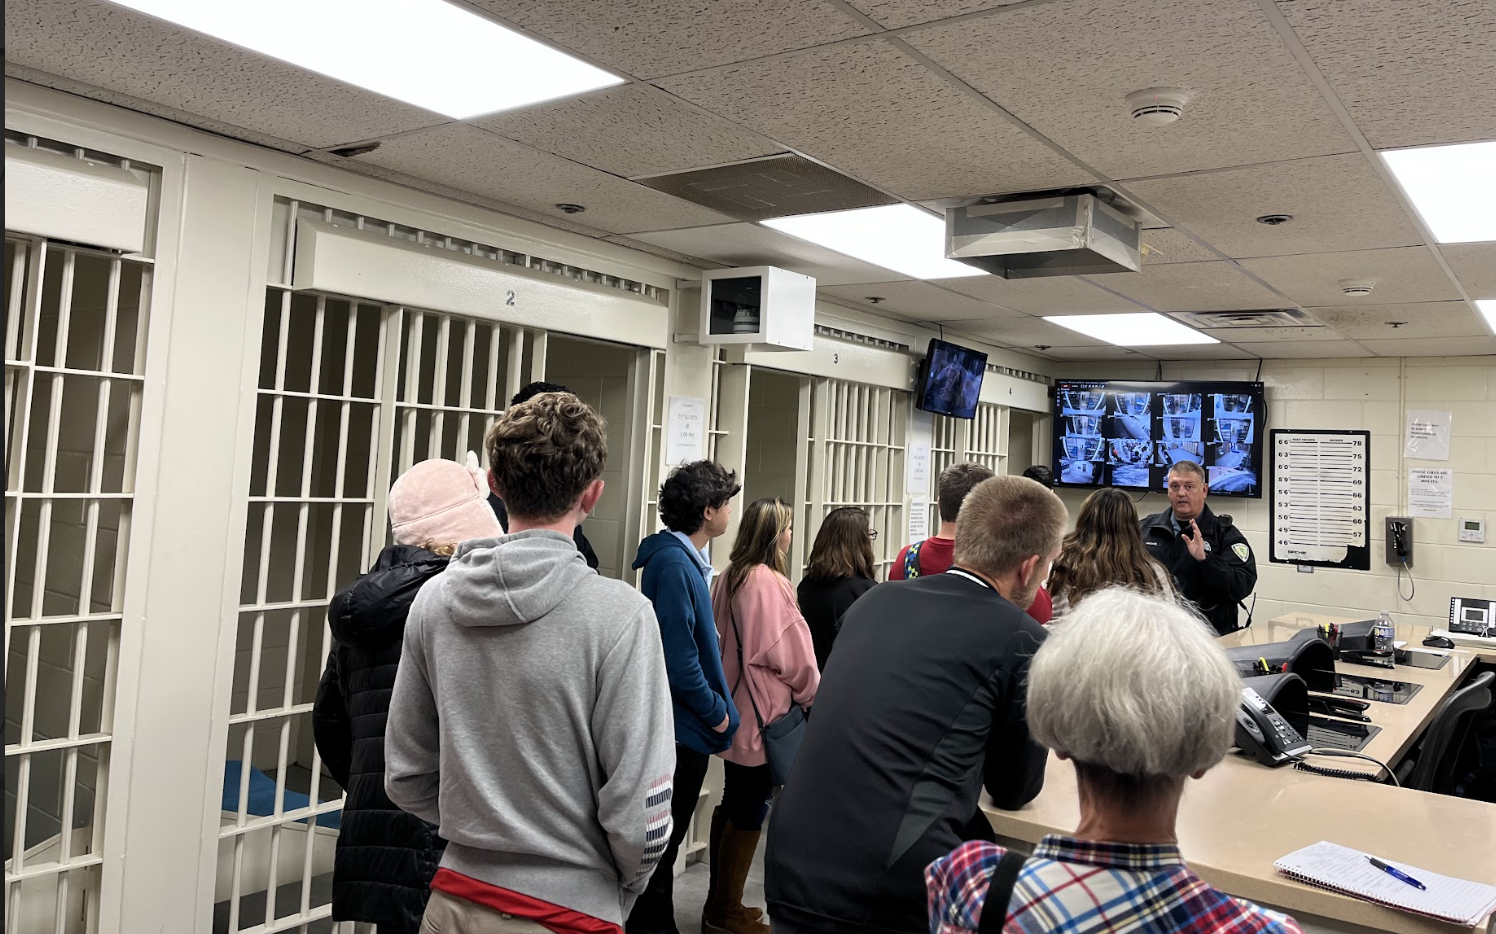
(385, 857)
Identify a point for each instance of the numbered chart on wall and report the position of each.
(1321, 498)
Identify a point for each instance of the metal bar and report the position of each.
(412, 392)
(75, 715)
(439, 386)
(465, 391)
(512, 376)
(77, 618)
(45, 869)
(270, 713)
(75, 371)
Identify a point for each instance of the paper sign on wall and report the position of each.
(919, 469)
(919, 520)
(1428, 434)
(685, 431)
(1431, 492)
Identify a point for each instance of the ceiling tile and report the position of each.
(1060, 295)
(921, 301)
(1217, 286)
(752, 245)
(1433, 347)
(1337, 202)
(1028, 332)
(1427, 319)
(1200, 352)
(895, 13)
(1474, 264)
(1409, 73)
(1306, 351)
(631, 130)
(1409, 274)
(649, 38)
(1107, 352)
(119, 50)
(1273, 335)
(878, 115)
(1065, 68)
(1170, 246)
(473, 160)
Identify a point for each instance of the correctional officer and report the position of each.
(1208, 557)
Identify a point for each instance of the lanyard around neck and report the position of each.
(971, 577)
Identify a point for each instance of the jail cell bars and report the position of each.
(856, 449)
(982, 440)
(316, 514)
(75, 342)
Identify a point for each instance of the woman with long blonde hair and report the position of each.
(770, 664)
(1105, 549)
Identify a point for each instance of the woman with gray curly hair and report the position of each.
(1135, 733)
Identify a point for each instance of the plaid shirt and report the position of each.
(1080, 887)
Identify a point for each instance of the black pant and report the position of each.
(746, 790)
(654, 912)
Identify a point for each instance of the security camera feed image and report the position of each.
(1128, 434)
(951, 380)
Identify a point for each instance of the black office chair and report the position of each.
(1433, 768)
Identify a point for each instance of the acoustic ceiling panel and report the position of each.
(773, 187)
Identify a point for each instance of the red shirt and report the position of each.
(937, 555)
(552, 917)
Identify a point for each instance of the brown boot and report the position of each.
(731, 858)
(713, 860)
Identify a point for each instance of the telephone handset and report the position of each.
(1263, 733)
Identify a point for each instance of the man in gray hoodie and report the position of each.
(531, 717)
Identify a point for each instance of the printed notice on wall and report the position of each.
(1428, 435)
(919, 469)
(1431, 492)
(685, 431)
(919, 520)
(1321, 502)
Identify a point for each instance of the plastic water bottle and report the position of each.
(1383, 635)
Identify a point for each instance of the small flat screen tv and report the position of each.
(950, 380)
(1128, 434)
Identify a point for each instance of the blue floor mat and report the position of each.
(262, 796)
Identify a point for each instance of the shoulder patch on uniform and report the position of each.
(1242, 551)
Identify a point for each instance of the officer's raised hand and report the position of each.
(1195, 542)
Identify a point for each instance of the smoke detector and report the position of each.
(1157, 106)
(1357, 286)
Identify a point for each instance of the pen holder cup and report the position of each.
(1306, 655)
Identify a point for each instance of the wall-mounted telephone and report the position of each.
(1400, 541)
(1262, 733)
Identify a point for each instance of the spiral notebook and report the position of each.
(1349, 872)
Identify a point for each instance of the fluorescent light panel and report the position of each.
(1144, 329)
(895, 236)
(1487, 308)
(1453, 188)
(429, 53)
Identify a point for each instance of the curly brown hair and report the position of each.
(544, 453)
(1106, 548)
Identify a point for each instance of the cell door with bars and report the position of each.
(856, 458)
(75, 353)
(981, 440)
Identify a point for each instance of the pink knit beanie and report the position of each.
(441, 502)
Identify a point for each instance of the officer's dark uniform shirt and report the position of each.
(1227, 575)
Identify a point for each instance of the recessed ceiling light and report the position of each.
(1451, 188)
(1141, 329)
(894, 236)
(1487, 309)
(429, 53)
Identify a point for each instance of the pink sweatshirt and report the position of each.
(780, 657)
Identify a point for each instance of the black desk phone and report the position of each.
(1472, 616)
(1262, 733)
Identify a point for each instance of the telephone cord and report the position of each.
(1303, 766)
(1412, 584)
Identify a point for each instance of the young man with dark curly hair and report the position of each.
(530, 719)
(694, 507)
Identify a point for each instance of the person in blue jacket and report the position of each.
(694, 507)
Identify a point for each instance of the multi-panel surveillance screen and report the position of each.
(1128, 434)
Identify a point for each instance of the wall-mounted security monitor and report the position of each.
(950, 380)
(1128, 434)
(763, 306)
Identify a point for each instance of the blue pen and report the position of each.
(1396, 874)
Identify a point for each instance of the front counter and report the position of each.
(1241, 816)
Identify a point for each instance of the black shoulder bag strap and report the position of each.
(1000, 892)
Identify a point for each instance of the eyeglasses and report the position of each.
(872, 534)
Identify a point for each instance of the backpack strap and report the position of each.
(1000, 892)
(911, 560)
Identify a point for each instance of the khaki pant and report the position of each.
(447, 914)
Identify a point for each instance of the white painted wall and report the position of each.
(1373, 394)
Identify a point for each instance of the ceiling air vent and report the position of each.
(774, 186)
(1264, 318)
